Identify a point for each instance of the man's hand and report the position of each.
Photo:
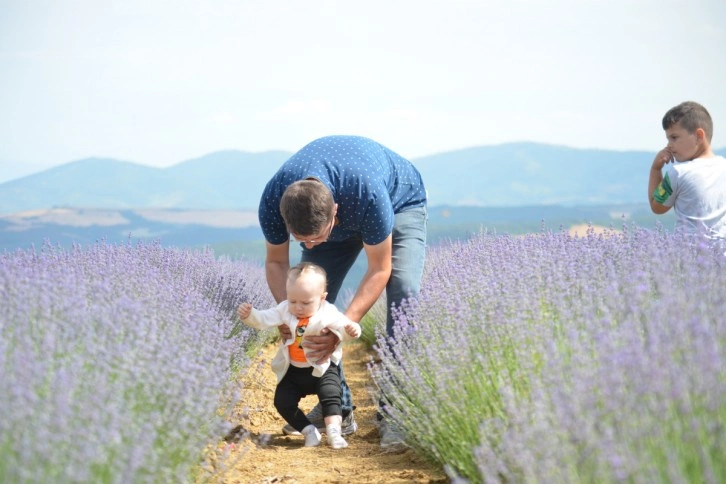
(321, 346)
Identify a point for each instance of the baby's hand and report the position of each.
(353, 330)
(244, 310)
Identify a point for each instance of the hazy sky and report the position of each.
(159, 82)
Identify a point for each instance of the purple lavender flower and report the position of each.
(549, 358)
(114, 361)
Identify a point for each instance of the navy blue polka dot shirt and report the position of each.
(369, 182)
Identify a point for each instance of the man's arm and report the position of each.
(374, 280)
(370, 288)
(656, 177)
(277, 264)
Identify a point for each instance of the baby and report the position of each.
(306, 312)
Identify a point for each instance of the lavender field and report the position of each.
(537, 358)
(114, 361)
(548, 358)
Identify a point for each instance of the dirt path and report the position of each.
(283, 459)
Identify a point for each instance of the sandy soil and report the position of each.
(581, 230)
(272, 457)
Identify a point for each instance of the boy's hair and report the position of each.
(305, 268)
(690, 116)
(306, 206)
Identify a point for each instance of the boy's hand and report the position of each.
(244, 310)
(663, 157)
(353, 330)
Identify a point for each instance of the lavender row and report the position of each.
(114, 361)
(548, 358)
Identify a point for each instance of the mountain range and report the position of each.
(506, 175)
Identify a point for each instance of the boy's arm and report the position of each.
(656, 178)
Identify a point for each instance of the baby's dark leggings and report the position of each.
(300, 382)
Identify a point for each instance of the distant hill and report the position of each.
(83, 226)
(519, 174)
(513, 174)
(237, 232)
(222, 180)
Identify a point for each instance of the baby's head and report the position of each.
(306, 289)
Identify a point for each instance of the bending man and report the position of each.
(337, 196)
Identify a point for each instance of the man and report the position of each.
(337, 196)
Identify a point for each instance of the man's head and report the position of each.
(689, 129)
(308, 208)
(306, 289)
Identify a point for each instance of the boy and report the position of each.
(695, 185)
(305, 311)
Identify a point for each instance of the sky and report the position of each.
(158, 82)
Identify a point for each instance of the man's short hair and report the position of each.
(690, 116)
(307, 207)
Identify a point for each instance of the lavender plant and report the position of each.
(373, 322)
(548, 358)
(114, 363)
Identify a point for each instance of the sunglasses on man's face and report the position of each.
(317, 240)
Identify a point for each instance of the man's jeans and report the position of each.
(409, 246)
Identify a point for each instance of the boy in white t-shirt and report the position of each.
(695, 184)
(305, 311)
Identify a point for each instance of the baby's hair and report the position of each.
(691, 116)
(307, 267)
